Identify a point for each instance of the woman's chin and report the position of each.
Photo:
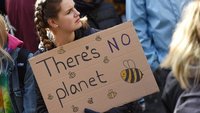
(79, 25)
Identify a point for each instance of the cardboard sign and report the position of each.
(100, 71)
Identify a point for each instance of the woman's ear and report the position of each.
(52, 23)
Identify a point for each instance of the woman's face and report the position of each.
(68, 18)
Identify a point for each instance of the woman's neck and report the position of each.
(63, 38)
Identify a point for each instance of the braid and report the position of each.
(41, 25)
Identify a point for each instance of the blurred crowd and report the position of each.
(168, 30)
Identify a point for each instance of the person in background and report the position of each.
(155, 21)
(119, 7)
(184, 58)
(12, 98)
(62, 21)
(21, 16)
(100, 14)
(2, 7)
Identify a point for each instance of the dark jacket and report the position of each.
(101, 15)
(171, 93)
(189, 101)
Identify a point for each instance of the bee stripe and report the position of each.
(127, 75)
(132, 77)
(138, 74)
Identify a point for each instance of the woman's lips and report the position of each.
(77, 21)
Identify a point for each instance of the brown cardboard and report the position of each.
(93, 72)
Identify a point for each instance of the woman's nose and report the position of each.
(76, 13)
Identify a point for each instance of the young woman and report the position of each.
(184, 58)
(62, 21)
(14, 99)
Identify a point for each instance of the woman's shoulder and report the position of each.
(82, 32)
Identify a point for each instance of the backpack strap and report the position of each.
(18, 82)
(22, 60)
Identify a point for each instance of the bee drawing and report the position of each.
(131, 74)
(75, 108)
(111, 94)
(90, 100)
